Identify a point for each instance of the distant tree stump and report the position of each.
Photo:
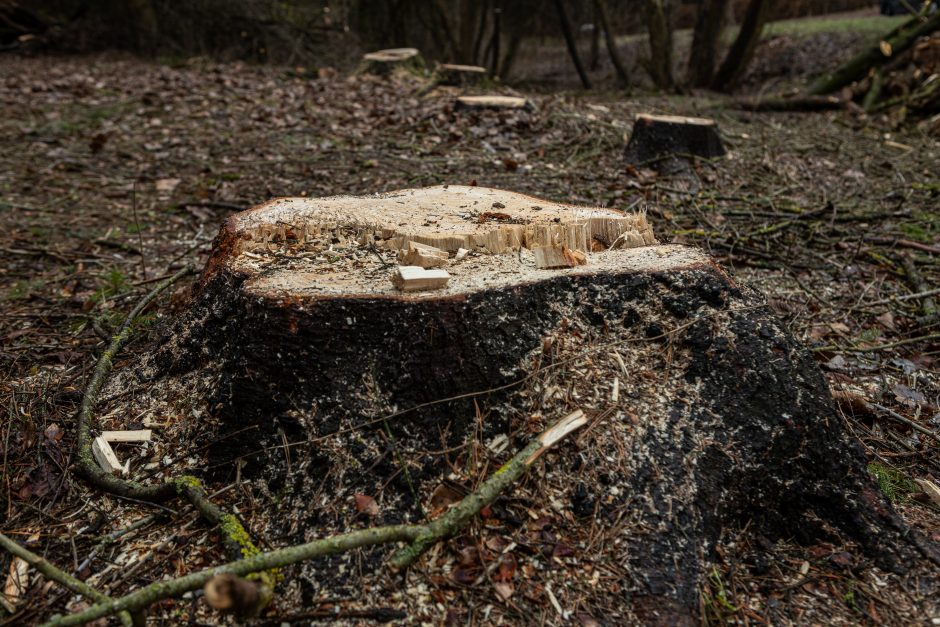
(354, 403)
(667, 138)
(460, 75)
(499, 103)
(384, 62)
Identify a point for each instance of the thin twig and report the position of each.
(879, 347)
(898, 417)
(86, 466)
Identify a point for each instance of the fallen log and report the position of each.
(792, 103)
(706, 414)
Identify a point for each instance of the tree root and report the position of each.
(222, 582)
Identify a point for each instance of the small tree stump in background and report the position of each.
(666, 138)
(476, 103)
(460, 75)
(384, 62)
(708, 417)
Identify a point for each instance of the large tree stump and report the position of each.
(384, 62)
(357, 404)
(658, 139)
(460, 75)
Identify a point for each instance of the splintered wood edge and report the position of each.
(104, 455)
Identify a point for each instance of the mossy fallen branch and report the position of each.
(421, 538)
(237, 540)
(68, 581)
(86, 467)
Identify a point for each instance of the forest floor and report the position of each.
(115, 172)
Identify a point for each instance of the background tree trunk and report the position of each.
(742, 50)
(712, 17)
(660, 40)
(595, 58)
(572, 44)
(610, 38)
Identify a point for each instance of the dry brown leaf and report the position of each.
(366, 505)
(443, 496)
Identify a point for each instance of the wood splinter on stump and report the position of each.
(661, 140)
(296, 332)
(415, 254)
(417, 279)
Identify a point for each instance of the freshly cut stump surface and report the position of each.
(324, 388)
(384, 62)
(460, 75)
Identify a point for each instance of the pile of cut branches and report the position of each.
(898, 77)
(901, 72)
